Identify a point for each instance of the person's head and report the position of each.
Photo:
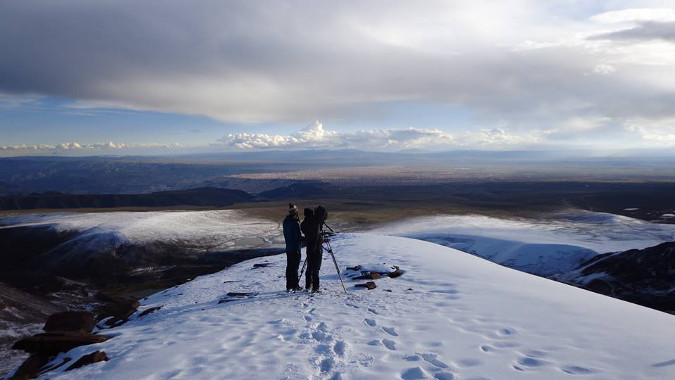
(309, 213)
(292, 210)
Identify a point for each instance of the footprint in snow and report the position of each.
(468, 363)
(339, 348)
(528, 363)
(432, 359)
(390, 344)
(390, 330)
(414, 373)
(577, 370)
(370, 322)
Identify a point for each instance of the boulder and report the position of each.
(78, 321)
(94, 357)
(149, 311)
(368, 285)
(30, 367)
(368, 276)
(396, 273)
(119, 312)
(54, 342)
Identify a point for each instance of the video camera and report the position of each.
(326, 234)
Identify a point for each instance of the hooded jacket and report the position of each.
(292, 233)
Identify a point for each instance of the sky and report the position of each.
(126, 77)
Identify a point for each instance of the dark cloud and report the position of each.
(253, 61)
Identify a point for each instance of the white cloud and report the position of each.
(660, 134)
(316, 136)
(604, 69)
(75, 146)
(498, 138)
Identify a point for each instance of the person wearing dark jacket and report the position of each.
(293, 239)
(311, 227)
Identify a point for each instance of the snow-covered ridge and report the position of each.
(450, 316)
(552, 245)
(217, 229)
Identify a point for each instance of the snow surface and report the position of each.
(217, 229)
(450, 316)
(547, 246)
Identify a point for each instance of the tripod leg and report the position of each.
(303, 267)
(337, 268)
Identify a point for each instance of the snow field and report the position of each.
(553, 245)
(450, 316)
(213, 230)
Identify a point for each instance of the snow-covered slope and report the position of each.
(217, 229)
(554, 244)
(450, 316)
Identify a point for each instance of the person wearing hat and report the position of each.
(293, 239)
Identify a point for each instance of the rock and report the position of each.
(54, 342)
(354, 268)
(79, 321)
(94, 357)
(369, 285)
(118, 311)
(235, 294)
(368, 276)
(263, 265)
(30, 367)
(396, 273)
(149, 311)
(104, 297)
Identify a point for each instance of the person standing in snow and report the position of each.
(293, 239)
(311, 227)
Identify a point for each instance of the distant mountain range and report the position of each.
(136, 175)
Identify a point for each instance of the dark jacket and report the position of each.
(292, 234)
(311, 230)
(311, 227)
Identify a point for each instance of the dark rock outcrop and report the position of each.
(642, 276)
(94, 357)
(52, 343)
(30, 367)
(148, 311)
(74, 321)
(120, 311)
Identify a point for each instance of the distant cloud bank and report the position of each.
(75, 146)
(315, 136)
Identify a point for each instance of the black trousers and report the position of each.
(314, 257)
(292, 265)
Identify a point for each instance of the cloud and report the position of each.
(532, 64)
(635, 15)
(645, 31)
(75, 146)
(315, 136)
(654, 134)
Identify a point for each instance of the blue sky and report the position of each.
(215, 76)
